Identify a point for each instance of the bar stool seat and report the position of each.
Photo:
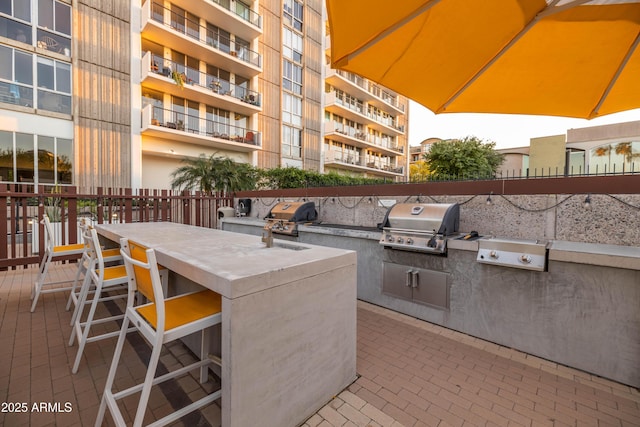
(160, 321)
(52, 252)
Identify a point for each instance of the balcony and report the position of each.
(337, 132)
(178, 126)
(240, 21)
(344, 161)
(197, 86)
(158, 26)
(364, 89)
(359, 113)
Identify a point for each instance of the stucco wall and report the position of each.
(611, 219)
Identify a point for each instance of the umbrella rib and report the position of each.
(557, 9)
(419, 11)
(495, 58)
(613, 81)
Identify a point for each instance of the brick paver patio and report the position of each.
(411, 373)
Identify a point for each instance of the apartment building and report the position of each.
(365, 126)
(117, 94)
(36, 79)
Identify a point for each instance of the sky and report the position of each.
(506, 130)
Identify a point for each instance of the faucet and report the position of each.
(268, 238)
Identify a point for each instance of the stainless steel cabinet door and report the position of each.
(416, 284)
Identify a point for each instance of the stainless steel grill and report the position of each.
(284, 217)
(420, 227)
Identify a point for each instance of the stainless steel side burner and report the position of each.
(524, 254)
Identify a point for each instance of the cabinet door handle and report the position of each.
(415, 278)
(408, 279)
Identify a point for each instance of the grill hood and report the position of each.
(438, 218)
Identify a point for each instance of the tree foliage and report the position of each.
(419, 171)
(221, 174)
(214, 173)
(290, 177)
(463, 158)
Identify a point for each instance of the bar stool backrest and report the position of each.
(48, 233)
(143, 280)
(144, 276)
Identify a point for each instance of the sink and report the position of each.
(289, 246)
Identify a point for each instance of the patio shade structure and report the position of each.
(573, 58)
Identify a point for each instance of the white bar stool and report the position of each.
(52, 252)
(109, 256)
(159, 322)
(102, 279)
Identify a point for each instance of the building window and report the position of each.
(292, 77)
(218, 122)
(218, 38)
(615, 158)
(293, 13)
(291, 142)
(53, 163)
(154, 98)
(10, 25)
(16, 77)
(292, 45)
(54, 26)
(242, 49)
(54, 85)
(292, 109)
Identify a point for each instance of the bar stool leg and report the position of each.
(82, 340)
(107, 396)
(148, 382)
(81, 270)
(81, 301)
(42, 274)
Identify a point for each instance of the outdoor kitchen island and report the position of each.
(288, 334)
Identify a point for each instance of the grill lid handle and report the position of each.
(417, 210)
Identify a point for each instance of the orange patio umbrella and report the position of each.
(574, 58)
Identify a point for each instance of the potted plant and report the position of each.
(178, 78)
(179, 125)
(215, 86)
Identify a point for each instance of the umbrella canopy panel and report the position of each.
(568, 58)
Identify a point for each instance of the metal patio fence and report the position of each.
(23, 206)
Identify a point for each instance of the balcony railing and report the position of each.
(360, 109)
(197, 125)
(191, 76)
(372, 88)
(349, 158)
(241, 11)
(194, 30)
(362, 136)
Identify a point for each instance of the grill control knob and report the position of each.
(400, 240)
(525, 259)
(409, 241)
(390, 238)
(494, 254)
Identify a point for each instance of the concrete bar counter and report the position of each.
(288, 334)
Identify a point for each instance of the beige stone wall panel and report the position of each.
(102, 92)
